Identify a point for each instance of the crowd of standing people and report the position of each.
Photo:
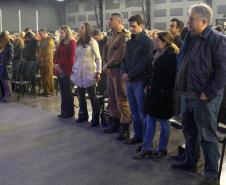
(149, 77)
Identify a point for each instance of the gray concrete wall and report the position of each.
(48, 17)
(161, 11)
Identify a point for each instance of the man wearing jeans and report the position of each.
(201, 79)
(138, 57)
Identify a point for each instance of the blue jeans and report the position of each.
(150, 134)
(199, 120)
(135, 95)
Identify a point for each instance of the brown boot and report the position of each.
(124, 133)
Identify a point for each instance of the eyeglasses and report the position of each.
(193, 19)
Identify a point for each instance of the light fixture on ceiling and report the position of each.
(60, 0)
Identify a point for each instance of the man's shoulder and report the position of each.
(216, 39)
(146, 40)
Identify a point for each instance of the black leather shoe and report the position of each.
(159, 154)
(60, 115)
(80, 120)
(184, 167)
(143, 154)
(210, 181)
(95, 122)
(177, 158)
(139, 148)
(68, 116)
(133, 141)
(111, 129)
(124, 132)
(94, 125)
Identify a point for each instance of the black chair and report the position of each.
(16, 69)
(26, 78)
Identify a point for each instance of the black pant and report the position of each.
(67, 98)
(83, 112)
(2, 90)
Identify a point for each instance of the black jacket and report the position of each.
(138, 55)
(161, 87)
(206, 66)
(30, 50)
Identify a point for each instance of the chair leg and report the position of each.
(33, 91)
(221, 160)
(39, 85)
(56, 86)
(18, 94)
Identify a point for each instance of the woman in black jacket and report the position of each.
(160, 95)
(30, 49)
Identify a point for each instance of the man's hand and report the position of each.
(204, 97)
(106, 69)
(57, 67)
(125, 77)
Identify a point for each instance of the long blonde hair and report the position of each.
(68, 31)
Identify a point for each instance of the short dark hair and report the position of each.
(96, 32)
(180, 23)
(137, 18)
(27, 29)
(29, 35)
(118, 15)
(43, 30)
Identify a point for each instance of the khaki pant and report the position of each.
(118, 104)
(47, 78)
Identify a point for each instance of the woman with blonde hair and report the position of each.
(6, 56)
(64, 60)
(160, 95)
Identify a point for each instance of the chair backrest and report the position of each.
(28, 70)
(17, 69)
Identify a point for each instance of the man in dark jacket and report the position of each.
(138, 56)
(175, 29)
(201, 79)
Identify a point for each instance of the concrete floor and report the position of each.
(37, 148)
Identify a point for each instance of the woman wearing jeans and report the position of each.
(160, 96)
(64, 60)
(86, 73)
